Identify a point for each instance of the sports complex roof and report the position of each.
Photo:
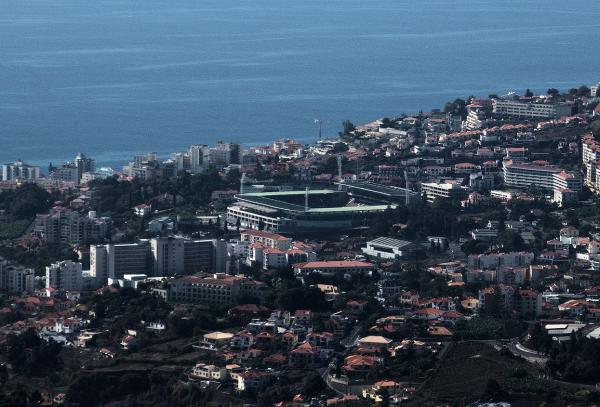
(269, 200)
(381, 189)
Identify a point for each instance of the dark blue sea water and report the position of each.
(115, 77)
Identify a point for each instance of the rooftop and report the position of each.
(390, 242)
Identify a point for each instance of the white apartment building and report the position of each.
(475, 119)
(115, 260)
(540, 174)
(274, 258)
(267, 239)
(446, 190)
(20, 171)
(64, 275)
(495, 260)
(67, 227)
(15, 279)
(516, 108)
(203, 371)
(167, 256)
(217, 289)
(590, 156)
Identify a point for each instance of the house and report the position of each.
(375, 393)
(304, 355)
(204, 371)
(409, 298)
(331, 291)
(320, 339)
(215, 340)
(356, 306)
(428, 314)
(252, 380)
(359, 366)
(374, 342)
(303, 317)
(142, 210)
(242, 341)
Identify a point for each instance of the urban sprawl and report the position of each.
(451, 256)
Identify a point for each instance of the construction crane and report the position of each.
(320, 123)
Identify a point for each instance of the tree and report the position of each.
(312, 384)
(456, 108)
(553, 92)
(474, 247)
(510, 241)
(296, 298)
(26, 201)
(493, 389)
(528, 93)
(583, 91)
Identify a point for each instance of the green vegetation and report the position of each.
(12, 227)
(156, 389)
(26, 201)
(30, 355)
(476, 371)
(576, 360)
(39, 259)
(488, 328)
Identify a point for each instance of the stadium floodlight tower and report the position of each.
(339, 163)
(306, 200)
(242, 180)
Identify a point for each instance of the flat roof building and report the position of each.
(387, 248)
(540, 174)
(517, 108)
(446, 190)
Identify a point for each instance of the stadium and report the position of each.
(353, 205)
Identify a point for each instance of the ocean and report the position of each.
(112, 78)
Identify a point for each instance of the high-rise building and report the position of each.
(161, 256)
(167, 256)
(67, 227)
(20, 171)
(224, 154)
(15, 279)
(68, 174)
(64, 275)
(198, 256)
(115, 260)
(83, 164)
(199, 156)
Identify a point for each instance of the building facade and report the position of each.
(64, 275)
(20, 171)
(516, 108)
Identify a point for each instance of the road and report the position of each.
(350, 340)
